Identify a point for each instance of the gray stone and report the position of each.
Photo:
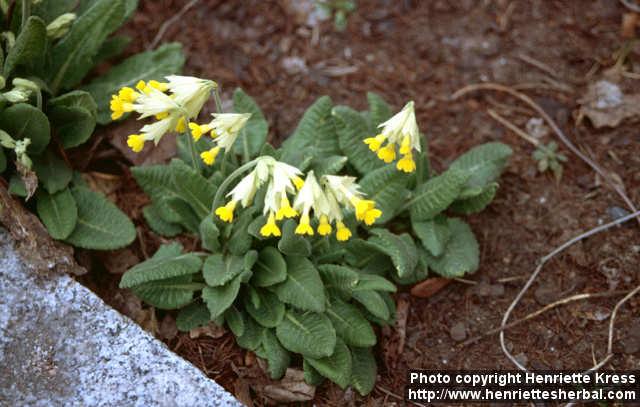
(60, 345)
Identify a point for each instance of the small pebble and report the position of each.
(616, 212)
(458, 332)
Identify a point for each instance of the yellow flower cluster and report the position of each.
(400, 130)
(223, 129)
(172, 104)
(326, 202)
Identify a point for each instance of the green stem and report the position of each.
(195, 161)
(26, 12)
(225, 184)
(216, 98)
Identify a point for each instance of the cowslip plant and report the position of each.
(48, 47)
(302, 246)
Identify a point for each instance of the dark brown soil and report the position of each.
(424, 51)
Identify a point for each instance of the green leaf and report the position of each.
(29, 49)
(161, 268)
(58, 212)
(277, 356)
(49, 10)
(253, 136)
(240, 241)
(328, 165)
(269, 312)
(378, 108)
(169, 250)
(52, 172)
(292, 244)
(219, 270)
(461, 255)
(340, 279)
(477, 203)
(234, 320)
(179, 210)
(483, 163)
(72, 57)
(434, 234)
(373, 302)
(270, 268)
(156, 181)
(209, 234)
(192, 316)
(101, 225)
(155, 221)
(336, 367)
(352, 130)
(350, 325)
(374, 282)
(364, 370)
(315, 135)
(112, 47)
(25, 121)
(171, 293)
(387, 187)
(252, 336)
(303, 287)
(166, 60)
(74, 117)
(308, 333)
(311, 375)
(17, 186)
(192, 187)
(435, 195)
(219, 299)
(400, 248)
(3, 161)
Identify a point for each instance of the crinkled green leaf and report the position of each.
(379, 109)
(363, 371)
(53, 173)
(308, 333)
(339, 279)
(435, 195)
(192, 187)
(252, 336)
(461, 255)
(155, 221)
(28, 52)
(73, 115)
(166, 60)
(278, 357)
(349, 324)
(400, 248)
(311, 375)
(270, 310)
(291, 243)
(72, 57)
(192, 316)
(270, 268)
(373, 302)
(303, 287)
(58, 212)
(101, 225)
(25, 121)
(434, 234)
(477, 203)
(374, 282)
(209, 234)
(170, 293)
(219, 270)
(336, 367)
(161, 268)
(219, 299)
(352, 130)
(240, 241)
(483, 163)
(234, 320)
(49, 10)
(387, 187)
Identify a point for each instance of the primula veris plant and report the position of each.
(302, 246)
(47, 106)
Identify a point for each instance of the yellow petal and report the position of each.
(225, 213)
(406, 164)
(343, 233)
(371, 216)
(387, 153)
(135, 142)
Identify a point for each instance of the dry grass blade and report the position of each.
(167, 24)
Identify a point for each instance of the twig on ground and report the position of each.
(631, 5)
(502, 88)
(540, 311)
(506, 123)
(537, 271)
(167, 24)
(538, 64)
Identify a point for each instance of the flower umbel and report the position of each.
(402, 131)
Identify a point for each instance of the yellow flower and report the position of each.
(324, 228)
(181, 126)
(387, 153)
(406, 163)
(198, 130)
(298, 182)
(209, 156)
(141, 86)
(304, 228)
(405, 146)
(362, 206)
(161, 86)
(343, 233)
(371, 215)
(375, 143)
(136, 142)
(119, 107)
(270, 228)
(127, 94)
(225, 213)
(285, 210)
